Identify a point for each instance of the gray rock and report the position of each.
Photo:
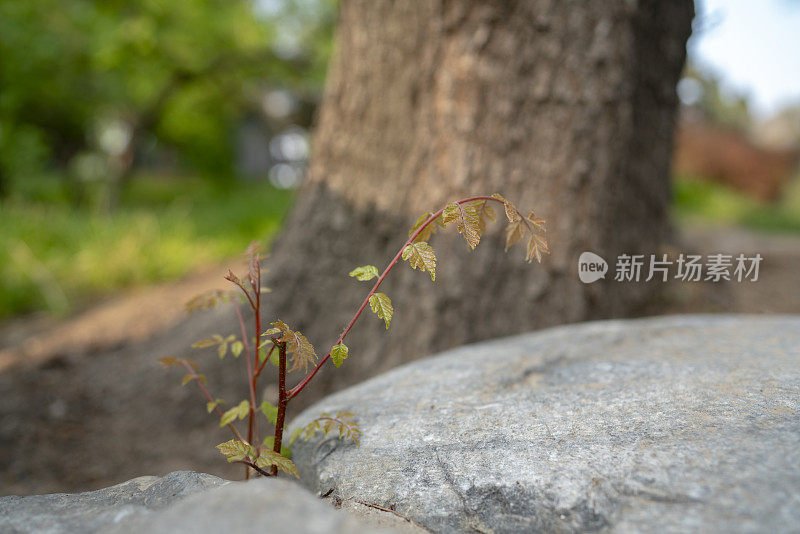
(673, 424)
(97, 510)
(181, 502)
(258, 506)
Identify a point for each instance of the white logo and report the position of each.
(591, 267)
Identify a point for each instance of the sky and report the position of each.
(754, 47)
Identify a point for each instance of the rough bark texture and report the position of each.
(564, 107)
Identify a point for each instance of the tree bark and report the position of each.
(566, 108)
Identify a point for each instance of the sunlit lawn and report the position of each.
(54, 257)
(704, 202)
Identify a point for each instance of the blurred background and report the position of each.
(142, 141)
(144, 144)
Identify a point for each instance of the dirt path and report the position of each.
(85, 404)
(125, 319)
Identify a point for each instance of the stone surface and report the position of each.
(181, 502)
(254, 507)
(97, 510)
(672, 424)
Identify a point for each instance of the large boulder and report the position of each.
(181, 502)
(94, 511)
(673, 424)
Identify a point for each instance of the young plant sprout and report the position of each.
(290, 351)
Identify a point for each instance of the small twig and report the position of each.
(395, 512)
(254, 466)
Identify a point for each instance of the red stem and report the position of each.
(299, 387)
(283, 399)
(251, 368)
(262, 364)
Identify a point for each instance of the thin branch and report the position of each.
(299, 387)
(262, 364)
(254, 466)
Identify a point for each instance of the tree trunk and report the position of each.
(566, 108)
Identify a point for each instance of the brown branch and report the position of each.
(254, 466)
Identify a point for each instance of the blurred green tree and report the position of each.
(86, 84)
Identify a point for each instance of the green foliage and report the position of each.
(55, 258)
(343, 422)
(339, 354)
(211, 405)
(420, 254)
(268, 458)
(270, 411)
(426, 232)
(367, 272)
(181, 71)
(301, 351)
(382, 307)
(221, 343)
(241, 451)
(269, 443)
(239, 411)
(210, 299)
(699, 200)
(235, 450)
(193, 376)
(470, 217)
(467, 219)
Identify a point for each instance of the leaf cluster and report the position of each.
(343, 422)
(470, 217)
(240, 451)
(222, 344)
(301, 351)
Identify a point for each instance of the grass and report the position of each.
(54, 257)
(696, 201)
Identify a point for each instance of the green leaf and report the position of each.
(222, 350)
(301, 351)
(210, 299)
(193, 376)
(428, 231)
(244, 409)
(271, 332)
(169, 361)
(382, 307)
(229, 416)
(339, 354)
(343, 422)
(269, 458)
(367, 272)
(235, 450)
(269, 443)
(211, 405)
(511, 211)
(270, 411)
(420, 255)
(467, 219)
(216, 339)
(236, 348)
(239, 411)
